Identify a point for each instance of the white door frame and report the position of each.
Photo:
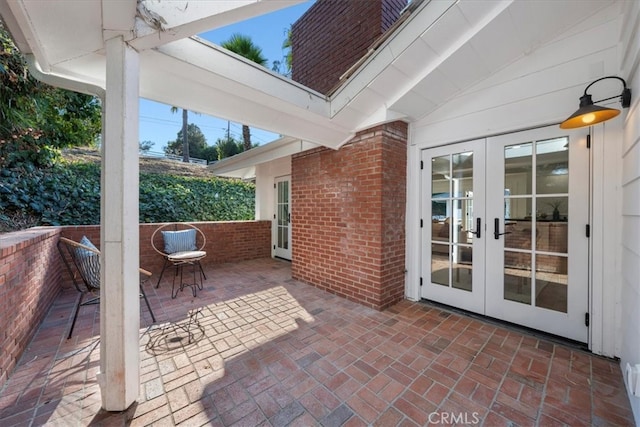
(457, 235)
(281, 247)
(571, 324)
(419, 210)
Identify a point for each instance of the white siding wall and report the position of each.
(630, 352)
(542, 88)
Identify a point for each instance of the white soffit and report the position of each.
(223, 85)
(243, 165)
(55, 40)
(67, 39)
(185, 18)
(445, 47)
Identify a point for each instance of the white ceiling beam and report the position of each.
(207, 61)
(118, 19)
(184, 18)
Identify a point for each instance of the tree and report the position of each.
(287, 59)
(197, 143)
(243, 46)
(227, 147)
(145, 146)
(185, 133)
(37, 119)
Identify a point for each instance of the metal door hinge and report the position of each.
(586, 319)
(589, 141)
(587, 230)
(421, 164)
(421, 223)
(421, 281)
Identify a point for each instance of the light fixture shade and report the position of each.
(589, 115)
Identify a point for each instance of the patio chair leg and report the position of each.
(144, 295)
(195, 283)
(174, 292)
(202, 271)
(161, 273)
(75, 314)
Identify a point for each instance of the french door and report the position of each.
(505, 234)
(453, 228)
(282, 218)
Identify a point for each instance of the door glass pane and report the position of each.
(518, 208)
(440, 220)
(440, 264)
(463, 221)
(517, 277)
(283, 215)
(518, 169)
(462, 174)
(551, 282)
(552, 208)
(519, 234)
(552, 166)
(462, 267)
(452, 220)
(280, 215)
(552, 225)
(285, 238)
(440, 177)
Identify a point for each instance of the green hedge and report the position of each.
(69, 194)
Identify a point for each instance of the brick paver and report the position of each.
(258, 348)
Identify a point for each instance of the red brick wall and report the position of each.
(32, 273)
(30, 279)
(334, 34)
(227, 241)
(348, 215)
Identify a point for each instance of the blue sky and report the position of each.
(159, 125)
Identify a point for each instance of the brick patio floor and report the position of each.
(264, 349)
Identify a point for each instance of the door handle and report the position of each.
(496, 229)
(478, 225)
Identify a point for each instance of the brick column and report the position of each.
(348, 215)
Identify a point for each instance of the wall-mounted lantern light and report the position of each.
(589, 114)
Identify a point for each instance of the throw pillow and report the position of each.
(88, 263)
(179, 241)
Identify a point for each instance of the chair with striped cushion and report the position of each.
(181, 245)
(85, 257)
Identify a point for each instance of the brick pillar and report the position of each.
(348, 215)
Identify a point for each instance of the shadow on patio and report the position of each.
(262, 349)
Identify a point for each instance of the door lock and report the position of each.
(478, 225)
(496, 229)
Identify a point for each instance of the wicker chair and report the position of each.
(86, 259)
(181, 245)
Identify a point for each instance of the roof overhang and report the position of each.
(243, 165)
(445, 47)
(441, 49)
(176, 67)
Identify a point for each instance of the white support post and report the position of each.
(119, 377)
